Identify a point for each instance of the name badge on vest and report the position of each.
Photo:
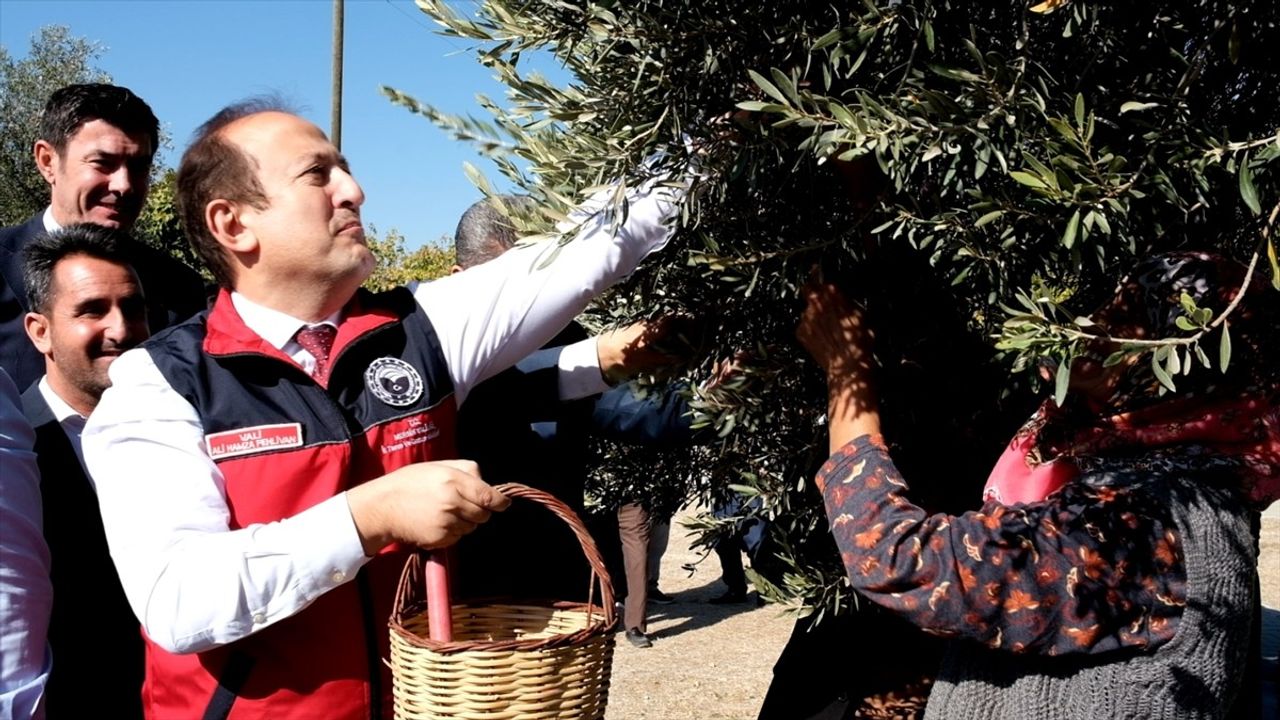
(393, 381)
(233, 443)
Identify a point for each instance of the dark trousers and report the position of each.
(633, 530)
(729, 550)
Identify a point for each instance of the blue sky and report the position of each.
(188, 58)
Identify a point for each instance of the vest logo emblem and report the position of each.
(393, 381)
(245, 441)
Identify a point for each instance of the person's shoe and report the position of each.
(636, 637)
(658, 597)
(731, 597)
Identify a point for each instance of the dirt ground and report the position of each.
(714, 662)
(708, 662)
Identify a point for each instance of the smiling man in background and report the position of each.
(87, 309)
(95, 150)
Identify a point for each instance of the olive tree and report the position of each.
(979, 174)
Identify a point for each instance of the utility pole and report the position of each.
(335, 117)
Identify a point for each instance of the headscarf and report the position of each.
(1233, 417)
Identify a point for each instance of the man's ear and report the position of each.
(223, 219)
(46, 159)
(37, 327)
(455, 269)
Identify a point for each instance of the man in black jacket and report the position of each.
(95, 149)
(531, 424)
(87, 308)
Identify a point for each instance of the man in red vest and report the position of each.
(261, 467)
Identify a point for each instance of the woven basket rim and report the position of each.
(594, 627)
(410, 600)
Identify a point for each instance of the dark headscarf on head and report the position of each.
(1233, 416)
(1148, 304)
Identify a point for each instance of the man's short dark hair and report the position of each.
(71, 107)
(484, 232)
(214, 168)
(41, 256)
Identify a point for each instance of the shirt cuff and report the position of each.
(338, 552)
(580, 374)
(841, 459)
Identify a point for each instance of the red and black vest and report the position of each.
(284, 443)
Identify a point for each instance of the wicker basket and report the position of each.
(517, 661)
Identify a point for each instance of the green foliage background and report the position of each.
(979, 173)
(398, 266)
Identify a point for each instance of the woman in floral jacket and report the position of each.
(1111, 569)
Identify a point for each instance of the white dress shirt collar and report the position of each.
(72, 422)
(61, 410)
(50, 225)
(280, 328)
(274, 326)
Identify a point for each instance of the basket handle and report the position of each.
(439, 618)
(416, 567)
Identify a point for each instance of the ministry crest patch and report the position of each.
(393, 381)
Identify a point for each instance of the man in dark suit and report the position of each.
(95, 149)
(531, 424)
(87, 309)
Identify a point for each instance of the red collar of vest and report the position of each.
(226, 333)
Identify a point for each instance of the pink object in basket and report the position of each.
(439, 605)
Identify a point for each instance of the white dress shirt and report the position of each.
(195, 583)
(26, 594)
(580, 374)
(71, 421)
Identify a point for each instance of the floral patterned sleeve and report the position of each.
(1090, 569)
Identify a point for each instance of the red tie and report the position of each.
(318, 341)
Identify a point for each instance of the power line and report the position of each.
(415, 20)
